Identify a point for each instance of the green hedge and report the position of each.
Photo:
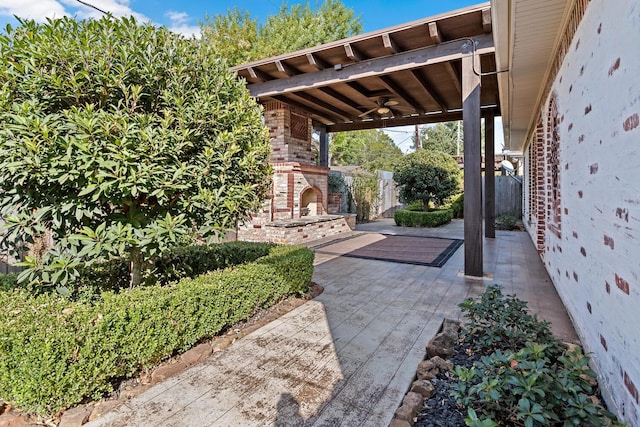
(54, 352)
(179, 263)
(409, 218)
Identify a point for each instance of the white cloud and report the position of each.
(180, 24)
(117, 8)
(38, 10)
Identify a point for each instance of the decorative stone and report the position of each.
(167, 371)
(12, 419)
(221, 343)
(424, 388)
(130, 393)
(427, 370)
(399, 423)
(442, 345)
(196, 354)
(450, 326)
(442, 364)
(411, 405)
(103, 407)
(75, 417)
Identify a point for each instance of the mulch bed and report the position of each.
(441, 410)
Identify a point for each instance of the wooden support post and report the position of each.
(489, 178)
(472, 160)
(324, 146)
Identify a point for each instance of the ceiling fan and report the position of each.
(385, 106)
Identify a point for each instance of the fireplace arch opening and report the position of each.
(310, 202)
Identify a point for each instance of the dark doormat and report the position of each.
(429, 251)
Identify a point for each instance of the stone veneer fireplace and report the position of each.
(297, 208)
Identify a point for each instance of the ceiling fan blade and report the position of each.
(366, 113)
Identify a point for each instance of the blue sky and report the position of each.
(184, 16)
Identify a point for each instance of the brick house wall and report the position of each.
(583, 197)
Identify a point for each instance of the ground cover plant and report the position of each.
(525, 376)
(56, 352)
(120, 140)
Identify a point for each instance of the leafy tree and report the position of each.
(121, 139)
(427, 176)
(442, 137)
(239, 38)
(371, 149)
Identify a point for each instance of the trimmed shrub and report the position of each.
(435, 218)
(179, 263)
(55, 353)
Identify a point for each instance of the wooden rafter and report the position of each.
(285, 68)
(340, 97)
(390, 44)
(254, 73)
(328, 118)
(317, 62)
(426, 86)
(416, 58)
(396, 88)
(353, 53)
(335, 111)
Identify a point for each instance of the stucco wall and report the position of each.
(593, 252)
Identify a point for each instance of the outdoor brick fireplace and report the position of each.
(297, 208)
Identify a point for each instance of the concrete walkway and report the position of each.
(347, 357)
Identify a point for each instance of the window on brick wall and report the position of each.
(554, 214)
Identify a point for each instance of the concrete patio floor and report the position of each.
(348, 356)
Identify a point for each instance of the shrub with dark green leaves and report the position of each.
(54, 352)
(526, 377)
(408, 218)
(121, 139)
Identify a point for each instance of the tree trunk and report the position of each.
(425, 205)
(135, 267)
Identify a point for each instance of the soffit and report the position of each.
(526, 40)
(416, 66)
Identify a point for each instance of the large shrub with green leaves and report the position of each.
(121, 138)
(427, 176)
(526, 376)
(54, 352)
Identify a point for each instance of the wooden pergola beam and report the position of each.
(422, 119)
(486, 20)
(489, 177)
(396, 88)
(286, 69)
(473, 261)
(320, 103)
(286, 100)
(409, 60)
(340, 97)
(429, 90)
(353, 53)
(254, 73)
(317, 62)
(390, 44)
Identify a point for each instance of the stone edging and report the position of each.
(439, 348)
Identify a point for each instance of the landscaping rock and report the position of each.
(450, 326)
(11, 419)
(131, 392)
(411, 405)
(196, 354)
(424, 388)
(427, 370)
(103, 407)
(442, 364)
(220, 344)
(442, 345)
(75, 417)
(399, 423)
(167, 371)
